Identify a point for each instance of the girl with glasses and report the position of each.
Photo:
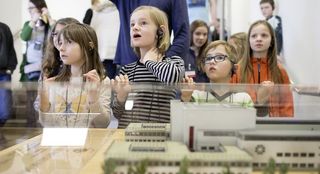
(35, 32)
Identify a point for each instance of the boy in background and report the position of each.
(267, 8)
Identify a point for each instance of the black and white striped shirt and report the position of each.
(149, 105)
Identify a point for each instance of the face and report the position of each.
(266, 9)
(260, 39)
(200, 36)
(218, 70)
(32, 8)
(142, 30)
(70, 52)
(55, 33)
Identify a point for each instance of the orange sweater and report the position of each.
(281, 100)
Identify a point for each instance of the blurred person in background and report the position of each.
(107, 32)
(8, 63)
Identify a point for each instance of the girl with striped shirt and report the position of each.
(150, 39)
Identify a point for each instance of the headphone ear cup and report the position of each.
(159, 33)
(233, 69)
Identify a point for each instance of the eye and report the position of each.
(197, 33)
(131, 25)
(144, 23)
(219, 58)
(253, 36)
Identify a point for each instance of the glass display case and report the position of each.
(211, 127)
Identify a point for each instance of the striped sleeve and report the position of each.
(170, 70)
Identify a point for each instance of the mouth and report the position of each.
(212, 69)
(136, 36)
(259, 45)
(63, 56)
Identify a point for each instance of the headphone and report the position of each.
(233, 68)
(159, 33)
(159, 36)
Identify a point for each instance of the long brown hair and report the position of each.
(86, 37)
(194, 25)
(159, 18)
(51, 62)
(246, 66)
(239, 40)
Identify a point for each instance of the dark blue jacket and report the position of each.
(177, 13)
(8, 57)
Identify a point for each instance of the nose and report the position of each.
(135, 27)
(61, 46)
(202, 37)
(212, 62)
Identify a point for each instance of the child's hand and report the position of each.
(152, 55)
(186, 93)
(120, 84)
(45, 15)
(264, 91)
(92, 76)
(44, 104)
(93, 80)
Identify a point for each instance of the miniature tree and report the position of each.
(283, 169)
(184, 166)
(271, 167)
(109, 166)
(140, 168)
(226, 169)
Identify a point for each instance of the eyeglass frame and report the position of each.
(205, 61)
(31, 8)
(54, 34)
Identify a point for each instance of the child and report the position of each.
(259, 66)
(150, 40)
(267, 8)
(218, 64)
(52, 63)
(79, 53)
(238, 41)
(199, 39)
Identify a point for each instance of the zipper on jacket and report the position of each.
(259, 70)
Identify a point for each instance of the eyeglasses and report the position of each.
(216, 58)
(54, 34)
(31, 8)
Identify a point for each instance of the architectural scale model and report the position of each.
(167, 158)
(142, 132)
(204, 134)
